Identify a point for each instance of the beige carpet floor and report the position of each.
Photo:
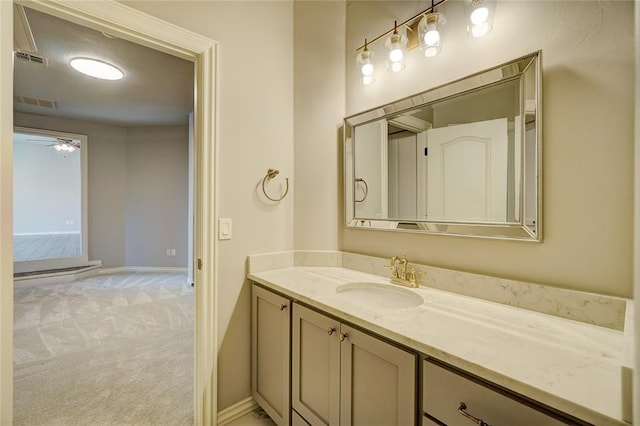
(108, 350)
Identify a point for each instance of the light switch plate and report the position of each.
(224, 228)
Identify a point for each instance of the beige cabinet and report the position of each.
(270, 361)
(457, 400)
(343, 376)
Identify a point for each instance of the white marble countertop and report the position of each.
(569, 365)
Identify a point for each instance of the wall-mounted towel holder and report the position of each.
(272, 173)
(365, 189)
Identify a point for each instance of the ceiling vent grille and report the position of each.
(31, 58)
(28, 100)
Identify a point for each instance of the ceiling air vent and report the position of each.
(28, 100)
(31, 58)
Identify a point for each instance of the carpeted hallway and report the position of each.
(108, 350)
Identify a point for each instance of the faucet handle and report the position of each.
(412, 275)
(392, 266)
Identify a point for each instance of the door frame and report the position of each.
(137, 27)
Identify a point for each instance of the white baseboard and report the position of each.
(31, 234)
(91, 269)
(236, 411)
(117, 269)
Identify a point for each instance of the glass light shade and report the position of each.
(64, 147)
(97, 69)
(396, 46)
(365, 67)
(479, 17)
(430, 33)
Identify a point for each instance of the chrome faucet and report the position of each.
(399, 273)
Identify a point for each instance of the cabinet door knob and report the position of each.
(343, 336)
(476, 420)
(283, 307)
(330, 330)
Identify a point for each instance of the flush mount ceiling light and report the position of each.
(97, 69)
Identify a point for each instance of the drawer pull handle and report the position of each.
(343, 336)
(476, 420)
(283, 307)
(331, 330)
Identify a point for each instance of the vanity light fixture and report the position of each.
(96, 68)
(430, 33)
(479, 17)
(424, 30)
(365, 65)
(396, 44)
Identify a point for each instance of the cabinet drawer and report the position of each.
(444, 391)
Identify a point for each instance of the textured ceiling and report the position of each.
(157, 88)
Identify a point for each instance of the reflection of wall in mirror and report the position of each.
(402, 175)
(370, 158)
(530, 208)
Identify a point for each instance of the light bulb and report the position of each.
(367, 70)
(430, 52)
(367, 79)
(396, 66)
(479, 15)
(480, 29)
(430, 33)
(57, 147)
(71, 148)
(395, 55)
(396, 46)
(432, 37)
(364, 60)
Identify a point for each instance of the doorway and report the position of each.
(138, 27)
(50, 200)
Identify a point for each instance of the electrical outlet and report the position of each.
(168, 252)
(173, 252)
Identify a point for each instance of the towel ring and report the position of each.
(272, 173)
(366, 189)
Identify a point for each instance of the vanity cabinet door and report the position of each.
(270, 361)
(378, 381)
(316, 367)
(445, 390)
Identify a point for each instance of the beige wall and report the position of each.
(157, 195)
(255, 132)
(588, 75)
(319, 109)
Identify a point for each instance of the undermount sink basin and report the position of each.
(376, 295)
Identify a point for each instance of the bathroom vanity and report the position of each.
(334, 345)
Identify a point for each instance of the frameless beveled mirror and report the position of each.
(459, 159)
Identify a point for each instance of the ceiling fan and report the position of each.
(61, 144)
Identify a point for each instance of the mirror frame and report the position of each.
(511, 70)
